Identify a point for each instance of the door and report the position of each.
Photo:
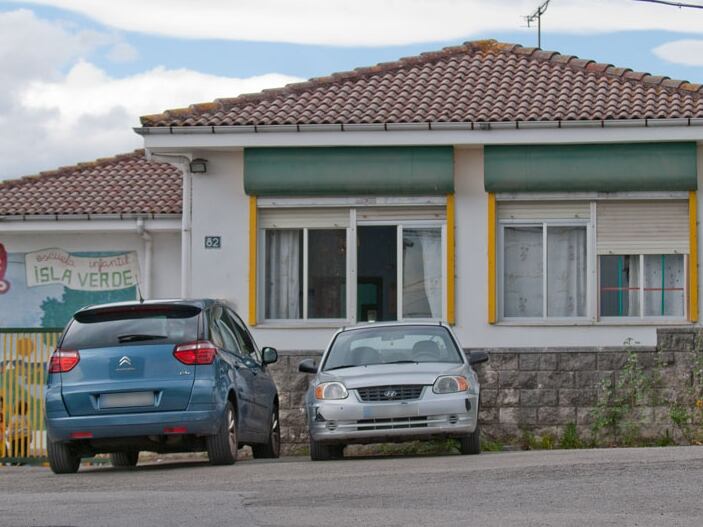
(263, 382)
(233, 371)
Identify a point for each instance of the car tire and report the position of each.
(62, 459)
(222, 447)
(271, 449)
(126, 459)
(470, 444)
(322, 452)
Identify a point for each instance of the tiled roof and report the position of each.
(123, 184)
(482, 81)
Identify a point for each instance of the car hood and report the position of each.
(392, 374)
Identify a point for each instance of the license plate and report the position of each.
(126, 400)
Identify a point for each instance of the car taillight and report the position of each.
(63, 361)
(200, 352)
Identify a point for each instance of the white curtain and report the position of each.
(522, 271)
(431, 242)
(566, 271)
(422, 273)
(283, 266)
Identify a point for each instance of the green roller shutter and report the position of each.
(340, 171)
(591, 168)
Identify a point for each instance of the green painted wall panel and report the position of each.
(343, 171)
(591, 168)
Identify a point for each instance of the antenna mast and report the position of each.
(537, 16)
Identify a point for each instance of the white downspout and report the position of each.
(186, 230)
(148, 254)
(182, 162)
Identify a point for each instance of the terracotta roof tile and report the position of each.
(123, 184)
(477, 81)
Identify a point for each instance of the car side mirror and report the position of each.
(307, 366)
(269, 355)
(477, 357)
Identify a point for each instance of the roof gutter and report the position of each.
(483, 126)
(427, 133)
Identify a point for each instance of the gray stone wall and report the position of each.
(531, 389)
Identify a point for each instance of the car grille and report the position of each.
(403, 392)
(392, 423)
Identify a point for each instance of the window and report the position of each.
(636, 253)
(312, 271)
(644, 285)
(544, 271)
(305, 273)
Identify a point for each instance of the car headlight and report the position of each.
(331, 390)
(450, 384)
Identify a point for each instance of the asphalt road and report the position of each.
(656, 486)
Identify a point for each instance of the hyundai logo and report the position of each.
(390, 394)
(125, 363)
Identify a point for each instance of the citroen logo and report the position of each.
(390, 394)
(125, 363)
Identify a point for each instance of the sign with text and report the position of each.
(213, 242)
(82, 273)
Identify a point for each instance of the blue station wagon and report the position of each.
(160, 376)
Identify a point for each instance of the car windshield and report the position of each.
(391, 345)
(147, 324)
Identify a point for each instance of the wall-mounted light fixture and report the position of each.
(198, 166)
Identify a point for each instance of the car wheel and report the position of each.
(126, 459)
(471, 444)
(322, 452)
(272, 449)
(222, 447)
(62, 459)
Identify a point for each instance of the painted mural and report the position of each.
(42, 289)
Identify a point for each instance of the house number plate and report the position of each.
(213, 242)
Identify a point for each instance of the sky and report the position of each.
(75, 75)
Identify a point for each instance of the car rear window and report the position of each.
(132, 325)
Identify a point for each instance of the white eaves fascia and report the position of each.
(106, 223)
(457, 134)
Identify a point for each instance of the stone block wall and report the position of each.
(539, 390)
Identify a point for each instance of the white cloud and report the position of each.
(123, 52)
(58, 108)
(687, 52)
(372, 22)
(87, 92)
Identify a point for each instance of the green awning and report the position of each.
(591, 168)
(340, 171)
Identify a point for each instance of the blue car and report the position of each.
(160, 376)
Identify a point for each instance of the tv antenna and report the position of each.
(673, 4)
(536, 16)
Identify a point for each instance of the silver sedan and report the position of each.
(392, 382)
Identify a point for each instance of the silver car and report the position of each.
(392, 382)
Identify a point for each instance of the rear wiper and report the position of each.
(135, 337)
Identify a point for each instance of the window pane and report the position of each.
(284, 273)
(422, 273)
(620, 286)
(522, 271)
(566, 271)
(327, 273)
(664, 285)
